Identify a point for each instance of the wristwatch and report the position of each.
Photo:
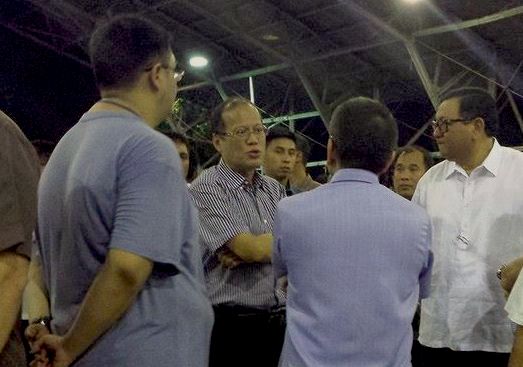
(44, 320)
(499, 272)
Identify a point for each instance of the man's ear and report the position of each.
(479, 124)
(332, 156)
(299, 157)
(216, 141)
(154, 76)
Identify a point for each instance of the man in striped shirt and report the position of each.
(236, 206)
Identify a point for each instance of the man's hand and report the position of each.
(33, 333)
(55, 347)
(229, 259)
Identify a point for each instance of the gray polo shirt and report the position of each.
(113, 182)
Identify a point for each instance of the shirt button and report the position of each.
(462, 242)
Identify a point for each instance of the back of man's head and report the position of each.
(476, 102)
(364, 133)
(125, 46)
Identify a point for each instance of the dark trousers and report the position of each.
(445, 357)
(246, 337)
(14, 353)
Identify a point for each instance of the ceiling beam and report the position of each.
(518, 10)
(316, 101)
(421, 70)
(234, 30)
(515, 109)
(353, 6)
(155, 10)
(423, 74)
(277, 67)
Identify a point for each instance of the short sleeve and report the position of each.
(19, 173)
(218, 221)
(278, 262)
(514, 305)
(426, 272)
(152, 205)
(419, 194)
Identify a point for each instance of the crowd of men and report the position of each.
(131, 266)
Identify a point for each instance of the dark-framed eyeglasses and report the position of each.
(443, 124)
(242, 132)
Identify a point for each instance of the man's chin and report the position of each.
(406, 193)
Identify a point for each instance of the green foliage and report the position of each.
(190, 119)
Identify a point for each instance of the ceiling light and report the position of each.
(198, 61)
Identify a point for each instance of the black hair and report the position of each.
(276, 132)
(123, 47)
(364, 133)
(476, 102)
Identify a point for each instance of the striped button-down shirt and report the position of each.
(229, 205)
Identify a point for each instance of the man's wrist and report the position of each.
(72, 346)
(42, 320)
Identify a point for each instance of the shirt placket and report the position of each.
(261, 224)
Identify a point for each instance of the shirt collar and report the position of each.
(234, 180)
(355, 174)
(491, 163)
(493, 160)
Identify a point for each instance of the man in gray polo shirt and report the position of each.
(117, 229)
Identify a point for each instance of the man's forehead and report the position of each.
(414, 155)
(283, 142)
(448, 107)
(242, 112)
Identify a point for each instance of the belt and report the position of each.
(242, 311)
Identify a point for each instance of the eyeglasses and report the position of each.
(177, 74)
(443, 124)
(242, 132)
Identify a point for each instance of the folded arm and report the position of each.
(252, 248)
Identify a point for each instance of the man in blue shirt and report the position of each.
(356, 254)
(117, 230)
